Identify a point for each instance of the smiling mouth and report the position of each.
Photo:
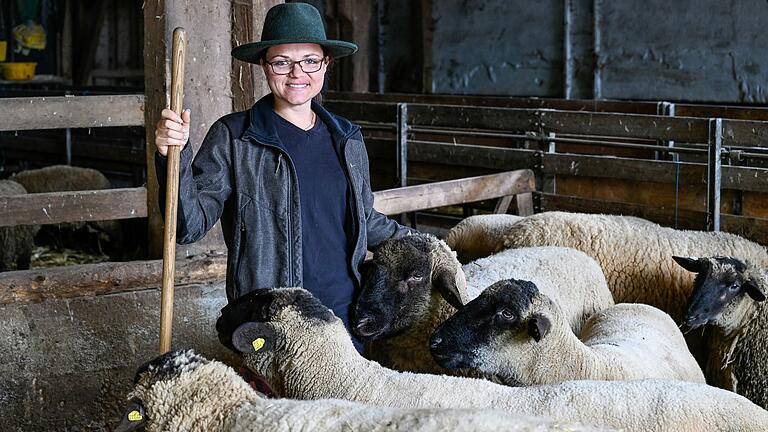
(298, 86)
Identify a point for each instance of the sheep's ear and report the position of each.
(754, 291)
(691, 264)
(253, 337)
(133, 418)
(445, 283)
(538, 326)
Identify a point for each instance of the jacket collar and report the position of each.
(262, 126)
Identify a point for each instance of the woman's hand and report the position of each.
(172, 130)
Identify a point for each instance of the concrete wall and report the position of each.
(68, 364)
(696, 50)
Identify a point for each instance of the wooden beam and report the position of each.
(452, 192)
(57, 207)
(364, 111)
(680, 129)
(71, 112)
(37, 285)
(745, 133)
(353, 18)
(207, 88)
(156, 80)
(658, 171)
(501, 101)
(509, 119)
(248, 84)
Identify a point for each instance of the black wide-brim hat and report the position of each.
(289, 23)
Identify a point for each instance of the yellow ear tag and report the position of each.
(258, 344)
(134, 416)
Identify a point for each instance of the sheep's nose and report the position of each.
(363, 326)
(435, 342)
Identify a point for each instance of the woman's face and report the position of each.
(297, 87)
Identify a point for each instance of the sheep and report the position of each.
(517, 333)
(479, 236)
(16, 242)
(183, 391)
(415, 283)
(482, 235)
(636, 255)
(305, 352)
(730, 294)
(61, 178)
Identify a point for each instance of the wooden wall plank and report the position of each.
(59, 112)
(37, 285)
(452, 192)
(681, 129)
(364, 111)
(508, 119)
(57, 207)
(745, 133)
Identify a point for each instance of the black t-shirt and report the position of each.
(324, 195)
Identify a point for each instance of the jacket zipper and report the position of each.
(243, 243)
(355, 223)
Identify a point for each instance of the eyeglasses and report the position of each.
(284, 67)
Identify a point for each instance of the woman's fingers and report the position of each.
(172, 130)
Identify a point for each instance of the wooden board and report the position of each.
(682, 129)
(452, 192)
(364, 111)
(446, 116)
(71, 112)
(37, 285)
(57, 207)
(745, 133)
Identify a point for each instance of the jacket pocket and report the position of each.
(246, 201)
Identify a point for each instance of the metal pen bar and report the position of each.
(615, 144)
(714, 173)
(402, 143)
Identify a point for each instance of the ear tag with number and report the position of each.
(134, 416)
(258, 344)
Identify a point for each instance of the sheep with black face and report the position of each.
(416, 283)
(729, 293)
(519, 334)
(306, 353)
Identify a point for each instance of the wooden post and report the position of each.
(248, 83)
(208, 91)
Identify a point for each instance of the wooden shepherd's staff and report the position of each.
(172, 194)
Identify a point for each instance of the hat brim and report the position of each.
(251, 52)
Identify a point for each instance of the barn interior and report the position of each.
(652, 109)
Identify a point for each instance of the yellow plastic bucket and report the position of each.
(19, 71)
(3, 48)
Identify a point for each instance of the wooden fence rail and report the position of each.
(62, 112)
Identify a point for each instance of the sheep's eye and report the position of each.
(415, 277)
(506, 314)
(735, 286)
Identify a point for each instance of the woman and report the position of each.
(288, 179)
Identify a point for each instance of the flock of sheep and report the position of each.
(17, 242)
(557, 321)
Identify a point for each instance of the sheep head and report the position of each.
(270, 326)
(722, 289)
(167, 388)
(505, 325)
(402, 281)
